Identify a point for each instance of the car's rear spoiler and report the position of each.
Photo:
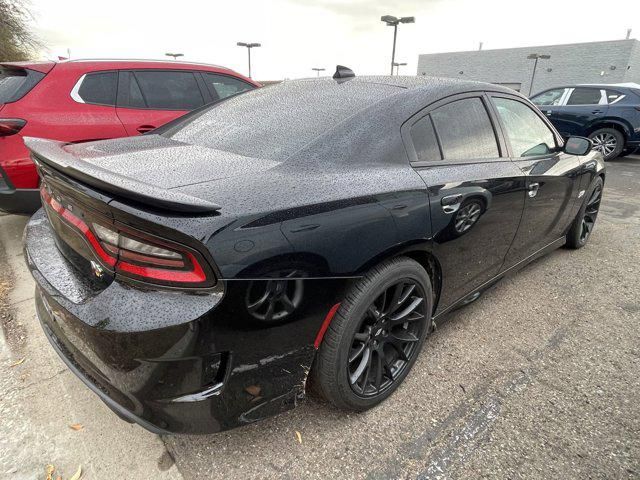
(53, 154)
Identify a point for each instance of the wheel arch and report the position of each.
(610, 123)
(419, 252)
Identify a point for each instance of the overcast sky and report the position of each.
(297, 35)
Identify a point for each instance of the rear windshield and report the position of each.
(16, 83)
(275, 122)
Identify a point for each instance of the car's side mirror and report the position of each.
(577, 146)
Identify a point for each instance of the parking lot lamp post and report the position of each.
(249, 47)
(398, 65)
(392, 21)
(318, 70)
(174, 55)
(535, 56)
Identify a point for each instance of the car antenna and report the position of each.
(343, 73)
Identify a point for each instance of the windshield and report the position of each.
(15, 83)
(275, 122)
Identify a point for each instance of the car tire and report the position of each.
(608, 141)
(365, 321)
(583, 224)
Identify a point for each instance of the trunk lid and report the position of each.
(149, 169)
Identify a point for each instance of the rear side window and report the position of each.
(465, 130)
(165, 90)
(16, 83)
(222, 86)
(98, 88)
(584, 96)
(424, 140)
(613, 96)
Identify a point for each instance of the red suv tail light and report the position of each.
(133, 255)
(11, 126)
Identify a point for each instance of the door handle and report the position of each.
(548, 112)
(533, 189)
(451, 203)
(596, 112)
(145, 128)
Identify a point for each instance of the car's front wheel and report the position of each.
(376, 336)
(608, 141)
(584, 222)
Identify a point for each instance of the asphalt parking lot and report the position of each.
(539, 378)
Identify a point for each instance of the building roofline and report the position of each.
(631, 40)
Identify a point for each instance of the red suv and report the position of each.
(84, 100)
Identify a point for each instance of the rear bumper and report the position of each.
(173, 361)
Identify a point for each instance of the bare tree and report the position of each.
(17, 40)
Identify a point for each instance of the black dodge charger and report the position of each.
(306, 234)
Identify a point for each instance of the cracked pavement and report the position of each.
(538, 378)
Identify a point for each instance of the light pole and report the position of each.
(249, 47)
(174, 55)
(398, 65)
(318, 70)
(535, 56)
(392, 21)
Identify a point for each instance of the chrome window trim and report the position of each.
(75, 95)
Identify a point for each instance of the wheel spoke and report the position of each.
(287, 304)
(357, 353)
(401, 316)
(361, 336)
(397, 345)
(404, 336)
(394, 303)
(379, 355)
(361, 367)
(406, 294)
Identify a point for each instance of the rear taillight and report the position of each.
(11, 126)
(133, 255)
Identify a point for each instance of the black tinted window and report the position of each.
(99, 88)
(15, 83)
(222, 86)
(136, 100)
(169, 90)
(465, 130)
(424, 140)
(584, 96)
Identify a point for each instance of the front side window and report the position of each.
(165, 90)
(527, 133)
(222, 86)
(98, 88)
(584, 96)
(465, 130)
(424, 140)
(549, 98)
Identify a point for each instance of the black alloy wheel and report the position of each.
(375, 337)
(590, 213)
(386, 338)
(584, 222)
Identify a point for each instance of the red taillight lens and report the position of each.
(11, 126)
(137, 257)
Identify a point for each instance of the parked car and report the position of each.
(608, 114)
(86, 100)
(194, 278)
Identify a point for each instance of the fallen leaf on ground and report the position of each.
(299, 436)
(18, 362)
(49, 470)
(78, 474)
(76, 426)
